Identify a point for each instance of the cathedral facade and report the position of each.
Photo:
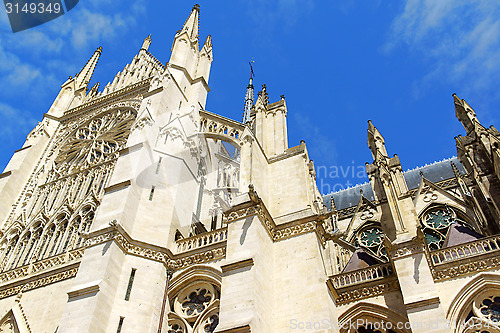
(134, 209)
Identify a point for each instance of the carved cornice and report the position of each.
(40, 280)
(107, 99)
(116, 233)
(464, 268)
(276, 232)
(237, 265)
(367, 290)
(408, 250)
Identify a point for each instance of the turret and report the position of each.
(185, 49)
(74, 90)
(386, 177)
(270, 124)
(247, 110)
(478, 151)
(146, 43)
(376, 141)
(190, 66)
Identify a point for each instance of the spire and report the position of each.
(375, 140)
(192, 23)
(208, 43)
(249, 97)
(82, 79)
(146, 43)
(465, 114)
(263, 96)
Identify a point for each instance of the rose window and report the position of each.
(196, 302)
(195, 309)
(439, 219)
(436, 224)
(96, 141)
(490, 309)
(371, 237)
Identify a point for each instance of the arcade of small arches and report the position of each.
(44, 239)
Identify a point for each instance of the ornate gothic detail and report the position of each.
(37, 282)
(94, 142)
(210, 252)
(195, 308)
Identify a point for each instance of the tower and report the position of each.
(135, 209)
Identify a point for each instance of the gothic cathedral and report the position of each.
(134, 209)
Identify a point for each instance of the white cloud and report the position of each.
(268, 14)
(14, 122)
(459, 38)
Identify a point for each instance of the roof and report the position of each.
(434, 172)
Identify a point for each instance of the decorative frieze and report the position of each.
(276, 232)
(39, 281)
(365, 291)
(212, 252)
(405, 251)
(477, 256)
(460, 269)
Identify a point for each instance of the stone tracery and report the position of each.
(60, 201)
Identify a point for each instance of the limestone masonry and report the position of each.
(134, 209)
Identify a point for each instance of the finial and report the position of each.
(146, 43)
(247, 110)
(196, 7)
(252, 74)
(282, 96)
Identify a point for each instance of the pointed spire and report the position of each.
(208, 43)
(375, 140)
(146, 43)
(248, 97)
(192, 23)
(263, 95)
(465, 114)
(83, 78)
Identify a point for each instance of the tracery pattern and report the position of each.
(195, 309)
(483, 314)
(63, 194)
(436, 224)
(371, 239)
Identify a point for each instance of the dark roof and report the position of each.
(434, 172)
(459, 234)
(360, 259)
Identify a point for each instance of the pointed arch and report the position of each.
(196, 273)
(374, 312)
(459, 306)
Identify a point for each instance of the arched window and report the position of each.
(436, 223)
(35, 239)
(371, 238)
(9, 251)
(197, 307)
(46, 241)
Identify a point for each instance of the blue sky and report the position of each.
(339, 63)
